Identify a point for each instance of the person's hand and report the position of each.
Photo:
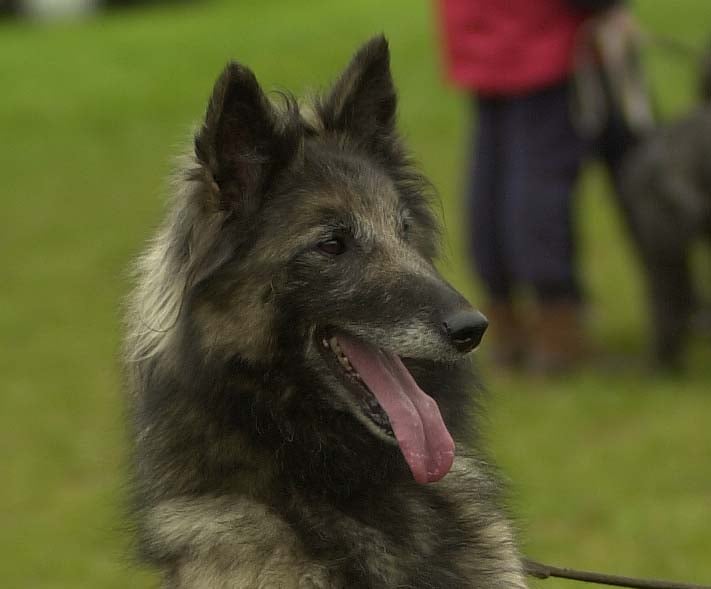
(618, 26)
(618, 38)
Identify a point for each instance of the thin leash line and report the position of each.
(545, 571)
(672, 44)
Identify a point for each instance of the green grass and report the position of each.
(608, 470)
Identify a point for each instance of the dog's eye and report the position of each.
(331, 247)
(406, 227)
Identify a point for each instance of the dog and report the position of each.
(298, 368)
(665, 192)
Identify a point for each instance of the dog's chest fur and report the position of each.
(414, 537)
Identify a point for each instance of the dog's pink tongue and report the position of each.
(424, 440)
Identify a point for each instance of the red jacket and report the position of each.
(505, 47)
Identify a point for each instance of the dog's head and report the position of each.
(311, 243)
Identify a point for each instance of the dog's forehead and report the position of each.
(336, 188)
(357, 186)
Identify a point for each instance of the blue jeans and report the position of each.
(526, 163)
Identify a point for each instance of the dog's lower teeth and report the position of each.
(345, 363)
(368, 403)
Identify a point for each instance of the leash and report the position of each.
(609, 74)
(672, 45)
(545, 571)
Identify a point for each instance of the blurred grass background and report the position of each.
(609, 469)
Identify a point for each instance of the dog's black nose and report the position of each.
(465, 329)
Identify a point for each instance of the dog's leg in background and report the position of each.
(672, 301)
(663, 212)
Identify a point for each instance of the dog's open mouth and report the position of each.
(385, 392)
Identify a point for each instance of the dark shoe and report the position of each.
(507, 345)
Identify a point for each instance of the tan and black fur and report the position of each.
(253, 464)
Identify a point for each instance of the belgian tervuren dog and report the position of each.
(301, 398)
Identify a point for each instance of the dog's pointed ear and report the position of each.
(238, 143)
(363, 102)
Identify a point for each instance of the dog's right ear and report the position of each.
(238, 144)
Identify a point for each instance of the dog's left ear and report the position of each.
(363, 102)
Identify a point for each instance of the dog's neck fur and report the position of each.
(230, 408)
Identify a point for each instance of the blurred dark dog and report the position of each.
(666, 194)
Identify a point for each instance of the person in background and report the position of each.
(517, 59)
